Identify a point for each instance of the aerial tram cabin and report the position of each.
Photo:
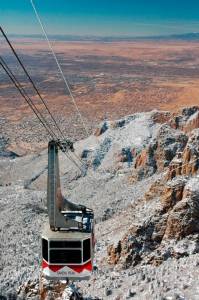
(68, 239)
(67, 254)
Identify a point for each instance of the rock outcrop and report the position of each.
(161, 117)
(186, 120)
(101, 129)
(174, 154)
(4, 148)
(187, 161)
(183, 219)
(160, 152)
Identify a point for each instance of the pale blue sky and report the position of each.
(104, 17)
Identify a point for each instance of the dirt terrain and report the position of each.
(108, 79)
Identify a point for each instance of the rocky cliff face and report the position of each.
(174, 154)
(160, 151)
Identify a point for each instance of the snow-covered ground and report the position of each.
(107, 189)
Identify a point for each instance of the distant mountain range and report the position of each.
(192, 36)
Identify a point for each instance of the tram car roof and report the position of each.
(47, 233)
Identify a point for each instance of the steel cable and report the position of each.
(26, 97)
(59, 67)
(30, 79)
(33, 107)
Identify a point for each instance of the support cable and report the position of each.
(33, 107)
(26, 97)
(35, 88)
(59, 67)
(30, 79)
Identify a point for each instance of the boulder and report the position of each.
(186, 162)
(155, 190)
(186, 120)
(126, 155)
(169, 142)
(114, 253)
(192, 122)
(160, 152)
(183, 220)
(161, 116)
(172, 194)
(101, 129)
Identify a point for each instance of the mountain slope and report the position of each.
(142, 182)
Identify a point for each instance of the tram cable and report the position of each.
(38, 93)
(59, 68)
(62, 75)
(64, 217)
(38, 114)
(26, 97)
(43, 101)
(30, 79)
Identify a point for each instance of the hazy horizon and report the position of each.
(93, 18)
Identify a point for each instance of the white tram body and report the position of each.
(67, 254)
(68, 238)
